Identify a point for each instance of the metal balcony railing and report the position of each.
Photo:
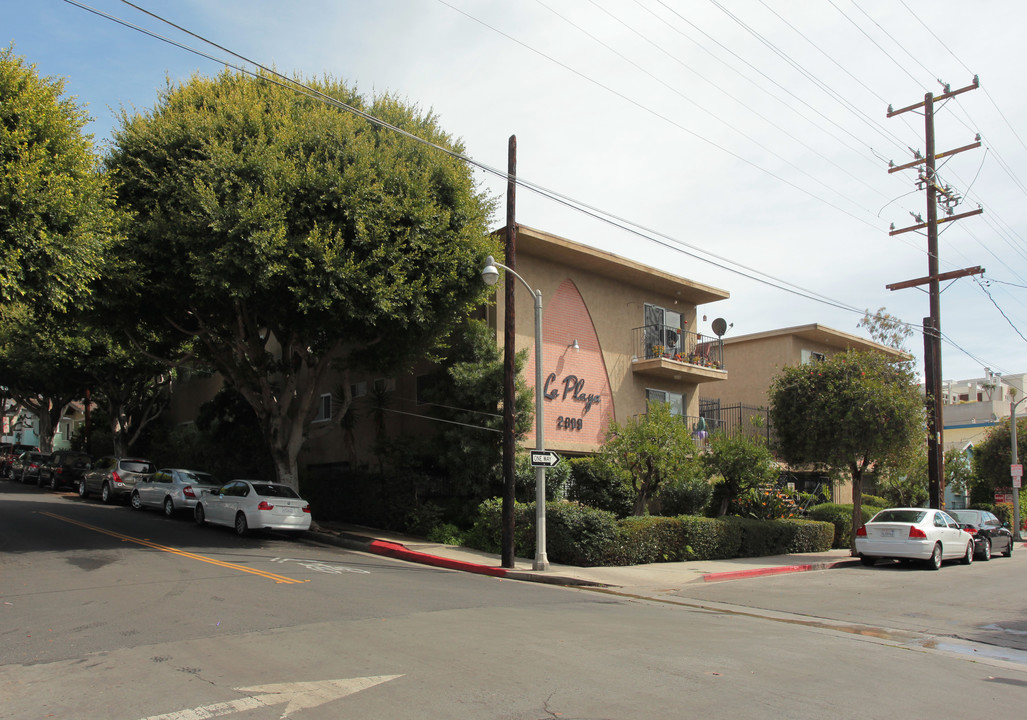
(670, 343)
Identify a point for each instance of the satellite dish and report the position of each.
(720, 326)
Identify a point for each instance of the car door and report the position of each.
(217, 503)
(953, 542)
(94, 476)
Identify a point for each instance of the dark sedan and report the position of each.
(990, 535)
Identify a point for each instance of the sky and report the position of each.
(742, 144)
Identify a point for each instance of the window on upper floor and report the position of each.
(812, 356)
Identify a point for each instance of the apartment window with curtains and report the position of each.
(675, 400)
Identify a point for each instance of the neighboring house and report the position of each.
(754, 360)
(21, 426)
(970, 409)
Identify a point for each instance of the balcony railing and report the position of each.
(676, 345)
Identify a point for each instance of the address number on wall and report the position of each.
(568, 423)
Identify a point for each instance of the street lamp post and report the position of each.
(491, 276)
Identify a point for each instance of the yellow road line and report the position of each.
(175, 551)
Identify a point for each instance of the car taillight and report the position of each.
(188, 491)
(58, 471)
(915, 532)
(862, 532)
(971, 530)
(265, 505)
(306, 508)
(115, 477)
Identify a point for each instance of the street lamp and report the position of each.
(490, 274)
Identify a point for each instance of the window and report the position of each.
(809, 356)
(358, 390)
(382, 385)
(675, 400)
(324, 408)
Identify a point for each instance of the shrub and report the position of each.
(689, 494)
(594, 483)
(648, 539)
(709, 538)
(578, 535)
(875, 501)
(447, 534)
(760, 537)
(810, 536)
(487, 532)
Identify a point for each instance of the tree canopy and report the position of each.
(649, 449)
(849, 412)
(56, 212)
(284, 236)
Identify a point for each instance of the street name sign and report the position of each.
(544, 458)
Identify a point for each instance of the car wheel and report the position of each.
(968, 556)
(935, 562)
(199, 515)
(82, 491)
(868, 561)
(137, 502)
(105, 493)
(169, 507)
(241, 526)
(986, 550)
(1009, 549)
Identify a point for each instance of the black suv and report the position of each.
(64, 469)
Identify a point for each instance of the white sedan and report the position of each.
(914, 534)
(253, 504)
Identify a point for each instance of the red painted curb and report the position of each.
(401, 552)
(739, 574)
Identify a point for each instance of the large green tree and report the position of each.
(650, 449)
(284, 236)
(992, 457)
(739, 463)
(56, 211)
(849, 412)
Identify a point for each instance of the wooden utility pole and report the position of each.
(509, 362)
(932, 323)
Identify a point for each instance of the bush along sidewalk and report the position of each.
(586, 537)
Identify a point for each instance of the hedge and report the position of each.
(583, 536)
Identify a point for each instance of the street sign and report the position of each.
(1016, 470)
(544, 458)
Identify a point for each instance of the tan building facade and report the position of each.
(616, 334)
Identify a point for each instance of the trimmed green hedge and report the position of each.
(840, 516)
(586, 537)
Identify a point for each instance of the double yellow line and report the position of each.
(175, 551)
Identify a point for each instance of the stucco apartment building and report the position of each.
(616, 334)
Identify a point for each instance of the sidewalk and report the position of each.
(653, 579)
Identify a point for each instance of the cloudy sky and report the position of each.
(743, 144)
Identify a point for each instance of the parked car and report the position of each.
(114, 478)
(989, 534)
(253, 504)
(11, 452)
(172, 489)
(63, 469)
(914, 534)
(25, 467)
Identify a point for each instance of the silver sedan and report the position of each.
(172, 489)
(253, 504)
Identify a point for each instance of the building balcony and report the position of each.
(669, 353)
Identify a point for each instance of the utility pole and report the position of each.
(509, 362)
(932, 324)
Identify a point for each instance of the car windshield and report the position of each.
(966, 516)
(137, 466)
(900, 516)
(272, 490)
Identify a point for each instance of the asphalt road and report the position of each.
(110, 613)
